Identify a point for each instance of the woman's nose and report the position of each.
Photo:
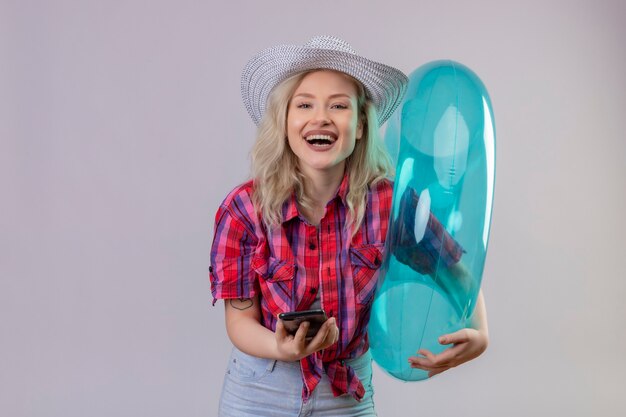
(321, 116)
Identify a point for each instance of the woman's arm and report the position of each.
(244, 328)
(243, 325)
(479, 318)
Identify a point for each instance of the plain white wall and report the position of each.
(122, 129)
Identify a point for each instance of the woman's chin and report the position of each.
(326, 167)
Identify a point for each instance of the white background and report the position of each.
(122, 129)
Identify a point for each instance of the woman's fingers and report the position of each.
(422, 363)
(281, 332)
(326, 335)
(288, 345)
(447, 357)
(335, 334)
(280, 327)
(334, 331)
(298, 346)
(432, 361)
(466, 345)
(427, 365)
(430, 369)
(320, 338)
(428, 355)
(300, 335)
(460, 336)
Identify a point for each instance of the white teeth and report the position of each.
(323, 137)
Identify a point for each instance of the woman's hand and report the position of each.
(295, 347)
(467, 344)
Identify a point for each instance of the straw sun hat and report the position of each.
(384, 85)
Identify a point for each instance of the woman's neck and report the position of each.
(320, 186)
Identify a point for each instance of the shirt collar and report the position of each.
(290, 207)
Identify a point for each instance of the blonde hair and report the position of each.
(275, 167)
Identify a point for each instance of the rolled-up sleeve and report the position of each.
(231, 273)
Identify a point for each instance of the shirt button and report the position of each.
(211, 269)
(312, 246)
(312, 291)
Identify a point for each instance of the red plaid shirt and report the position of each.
(287, 266)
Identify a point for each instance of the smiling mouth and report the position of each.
(320, 140)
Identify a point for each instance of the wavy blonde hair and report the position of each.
(275, 167)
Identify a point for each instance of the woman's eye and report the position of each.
(308, 106)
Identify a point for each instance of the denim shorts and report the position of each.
(256, 387)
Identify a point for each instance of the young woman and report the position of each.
(307, 232)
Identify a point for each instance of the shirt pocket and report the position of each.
(365, 261)
(277, 276)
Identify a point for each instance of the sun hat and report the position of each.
(384, 85)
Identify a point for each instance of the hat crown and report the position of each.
(384, 85)
(330, 42)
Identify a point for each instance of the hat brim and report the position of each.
(384, 85)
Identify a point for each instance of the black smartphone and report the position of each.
(293, 319)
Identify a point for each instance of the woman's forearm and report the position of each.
(251, 337)
(244, 328)
(243, 325)
(479, 318)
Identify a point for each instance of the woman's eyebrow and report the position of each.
(330, 96)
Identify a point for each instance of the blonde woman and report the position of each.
(307, 231)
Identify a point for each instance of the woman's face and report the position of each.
(322, 122)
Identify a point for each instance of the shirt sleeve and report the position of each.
(231, 273)
(435, 248)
